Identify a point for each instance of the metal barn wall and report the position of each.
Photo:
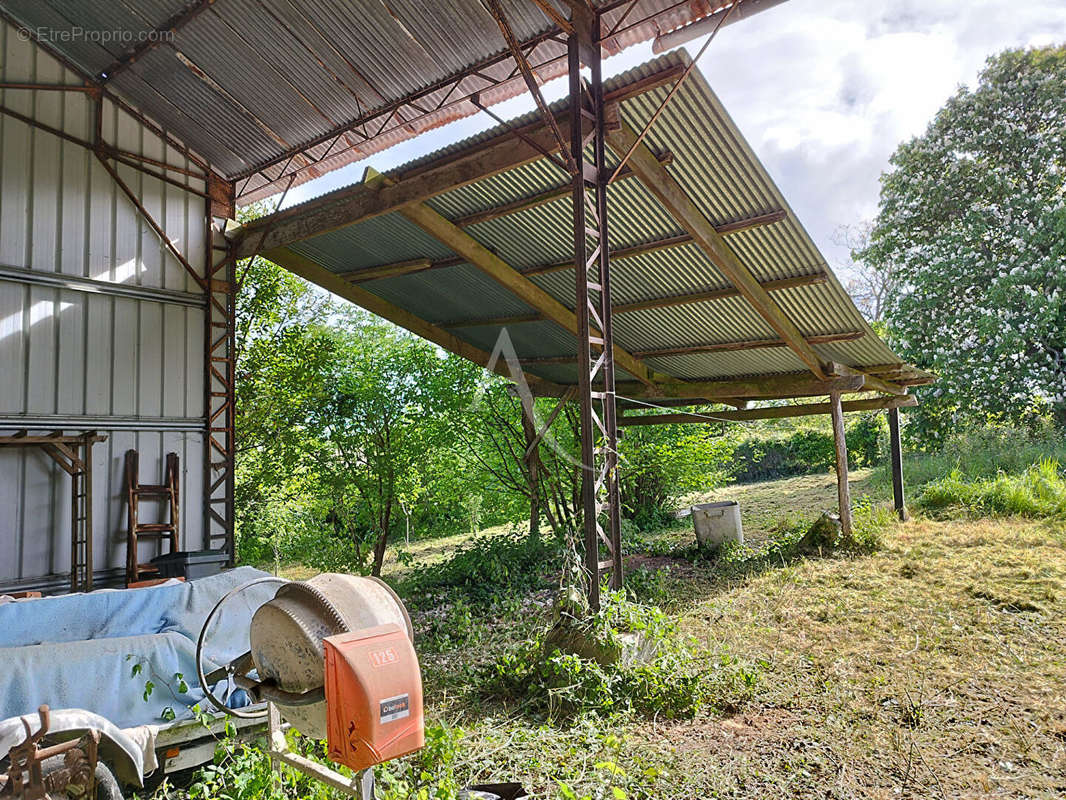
(100, 327)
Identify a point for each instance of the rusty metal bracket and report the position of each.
(25, 778)
(530, 78)
(673, 90)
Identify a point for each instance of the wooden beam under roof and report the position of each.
(667, 301)
(306, 268)
(657, 245)
(672, 196)
(539, 199)
(714, 347)
(767, 387)
(394, 268)
(776, 412)
(520, 286)
(354, 204)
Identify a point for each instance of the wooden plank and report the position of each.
(540, 199)
(458, 240)
(715, 347)
(873, 382)
(674, 199)
(663, 244)
(756, 344)
(388, 270)
(776, 412)
(620, 253)
(308, 269)
(767, 387)
(896, 457)
(359, 202)
(836, 413)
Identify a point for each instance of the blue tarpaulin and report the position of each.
(80, 650)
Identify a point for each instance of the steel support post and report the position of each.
(219, 377)
(596, 374)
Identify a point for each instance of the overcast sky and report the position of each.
(823, 89)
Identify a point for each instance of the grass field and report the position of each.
(932, 667)
(935, 667)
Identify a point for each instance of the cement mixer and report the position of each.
(333, 657)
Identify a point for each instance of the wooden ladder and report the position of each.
(165, 492)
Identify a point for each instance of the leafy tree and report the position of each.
(661, 463)
(494, 435)
(282, 351)
(973, 222)
(389, 398)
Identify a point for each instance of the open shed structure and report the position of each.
(626, 239)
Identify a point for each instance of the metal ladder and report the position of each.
(166, 492)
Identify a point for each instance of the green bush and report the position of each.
(1039, 492)
(984, 452)
(677, 681)
(769, 453)
(485, 567)
(661, 463)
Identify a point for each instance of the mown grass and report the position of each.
(929, 662)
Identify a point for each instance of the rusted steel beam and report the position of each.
(274, 182)
(777, 412)
(163, 33)
(639, 140)
(131, 195)
(668, 301)
(531, 81)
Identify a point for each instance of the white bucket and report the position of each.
(717, 523)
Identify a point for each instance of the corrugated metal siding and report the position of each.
(714, 164)
(100, 327)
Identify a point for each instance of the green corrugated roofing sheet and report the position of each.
(716, 167)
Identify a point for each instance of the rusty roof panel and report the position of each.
(421, 60)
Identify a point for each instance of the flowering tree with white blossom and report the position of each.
(972, 224)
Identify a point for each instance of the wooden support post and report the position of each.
(843, 492)
(897, 464)
(532, 459)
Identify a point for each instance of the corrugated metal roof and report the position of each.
(249, 84)
(713, 163)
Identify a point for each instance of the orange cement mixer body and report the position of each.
(373, 696)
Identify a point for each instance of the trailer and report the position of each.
(103, 684)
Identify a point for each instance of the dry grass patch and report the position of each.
(935, 668)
